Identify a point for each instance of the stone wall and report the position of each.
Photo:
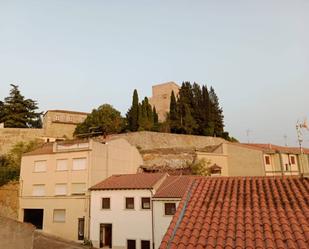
(9, 200)
(18, 235)
(15, 235)
(10, 136)
(146, 140)
(172, 158)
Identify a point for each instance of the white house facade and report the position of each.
(134, 211)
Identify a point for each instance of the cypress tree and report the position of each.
(216, 113)
(173, 114)
(155, 119)
(132, 114)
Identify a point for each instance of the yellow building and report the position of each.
(236, 159)
(61, 123)
(54, 182)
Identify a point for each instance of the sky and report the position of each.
(77, 55)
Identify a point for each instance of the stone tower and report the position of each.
(161, 97)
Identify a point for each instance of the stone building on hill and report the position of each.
(62, 123)
(161, 96)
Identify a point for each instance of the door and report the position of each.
(106, 236)
(81, 228)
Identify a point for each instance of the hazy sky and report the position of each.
(79, 54)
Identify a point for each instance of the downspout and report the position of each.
(181, 215)
(152, 220)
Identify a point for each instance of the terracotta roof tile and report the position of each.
(247, 212)
(130, 181)
(174, 186)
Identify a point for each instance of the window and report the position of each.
(129, 203)
(145, 244)
(38, 190)
(145, 203)
(60, 189)
(59, 215)
(267, 160)
(40, 166)
(131, 244)
(79, 163)
(78, 188)
(62, 164)
(292, 158)
(169, 208)
(106, 203)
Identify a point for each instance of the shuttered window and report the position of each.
(62, 164)
(79, 163)
(59, 215)
(40, 166)
(78, 188)
(60, 189)
(38, 190)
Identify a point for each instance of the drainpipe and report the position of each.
(152, 221)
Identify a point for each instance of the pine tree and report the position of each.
(18, 112)
(132, 114)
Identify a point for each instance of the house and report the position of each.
(283, 160)
(55, 178)
(134, 210)
(61, 123)
(237, 159)
(241, 212)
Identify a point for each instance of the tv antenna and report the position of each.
(300, 128)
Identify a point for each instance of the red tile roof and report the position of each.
(174, 186)
(46, 148)
(129, 181)
(67, 111)
(249, 212)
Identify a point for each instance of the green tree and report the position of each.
(18, 112)
(200, 167)
(10, 163)
(104, 120)
(155, 119)
(216, 113)
(133, 112)
(173, 114)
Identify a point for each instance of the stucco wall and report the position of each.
(161, 221)
(126, 224)
(216, 158)
(244, 161)
(9, 202)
